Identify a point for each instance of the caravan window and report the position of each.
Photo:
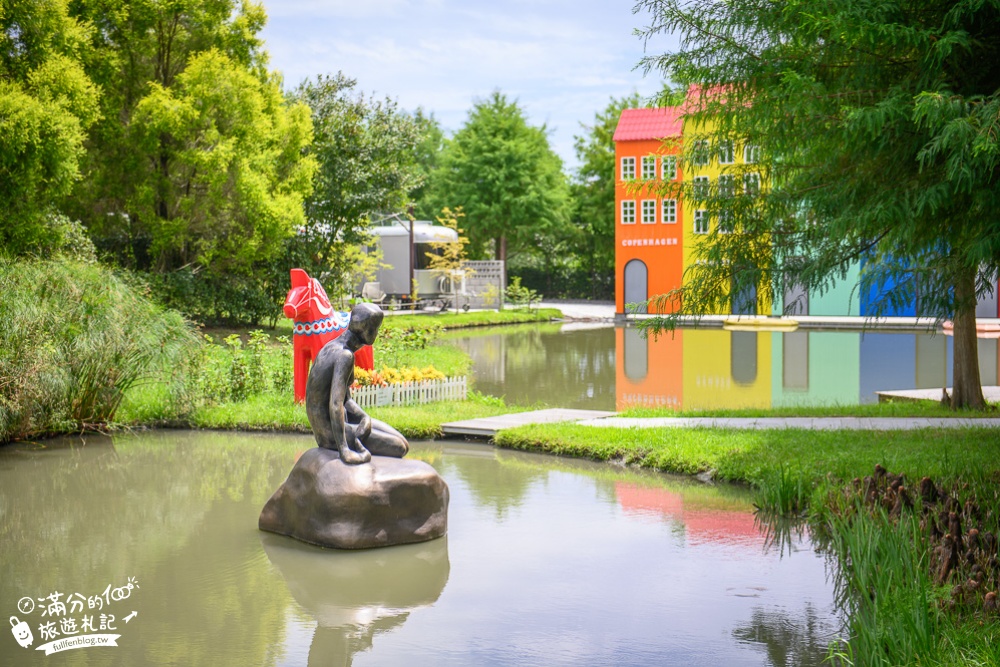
(421, 250)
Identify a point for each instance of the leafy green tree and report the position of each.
(506, 178)
(877, 129)
(225, 175)
(198, 159)
(428, 153)
(47, 102)
(593, 195)
(366, 150)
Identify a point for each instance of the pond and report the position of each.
(611, 368)
(547, 562)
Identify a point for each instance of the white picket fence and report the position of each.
(412, 393)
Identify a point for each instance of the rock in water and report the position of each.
(378, 504)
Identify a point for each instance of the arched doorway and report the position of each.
(636, 280)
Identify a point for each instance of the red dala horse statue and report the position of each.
(316, 324)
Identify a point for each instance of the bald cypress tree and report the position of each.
(506, 178)
(877, 124)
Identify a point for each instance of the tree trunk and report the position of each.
(968, 388)
(500, 245)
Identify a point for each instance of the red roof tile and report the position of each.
(642, 124)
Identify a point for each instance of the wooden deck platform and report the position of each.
(991, 394)
(487, 427)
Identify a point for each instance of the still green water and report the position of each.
(547, 562)
(604, 367)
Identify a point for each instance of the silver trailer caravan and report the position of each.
(394, 239)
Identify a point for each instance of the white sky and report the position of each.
(562, 60)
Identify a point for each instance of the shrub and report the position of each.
(235, 371)
(74, 337)
(520, 296)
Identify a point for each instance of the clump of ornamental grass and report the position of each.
(783, 492)
(74, 338)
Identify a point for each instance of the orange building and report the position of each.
(649, 227)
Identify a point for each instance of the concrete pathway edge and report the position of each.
(804, 423)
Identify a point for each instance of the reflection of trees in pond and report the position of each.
(789, 641)
(541, 365)
(355, 595)
(781, 533)
(175, 510)
(494, 481)
(231, 612)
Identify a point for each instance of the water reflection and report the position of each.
(705, 517)
(547, 561)
(613, 368)
(539, 364)
(788, 640)
(170, 510)
(355, 595)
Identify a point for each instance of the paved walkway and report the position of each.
(488, 426)
(808, 423)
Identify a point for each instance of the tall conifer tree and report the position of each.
(877, 124)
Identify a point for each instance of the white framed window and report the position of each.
(701, 221)
(628, 168)
(726, 152)
(727, 185)
(669, 163)
(726, 221)
(751, 154)
(628, 212)
(648, 167)
(699, 153)
(751, 184)
(701, 187)
(649, 211)
(669, 211)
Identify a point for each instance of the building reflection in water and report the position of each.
(698, 369)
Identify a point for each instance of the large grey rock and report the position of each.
(387, 501)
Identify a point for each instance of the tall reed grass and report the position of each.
(884, 583)
(74, 338)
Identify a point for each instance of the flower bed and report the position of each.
(405, 386)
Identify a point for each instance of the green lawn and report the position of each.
(479, 318)
(268, 412)
(754, 456)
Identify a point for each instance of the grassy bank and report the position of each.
(281, 413)
(244, 381)
(808, 458)
(479, 318)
